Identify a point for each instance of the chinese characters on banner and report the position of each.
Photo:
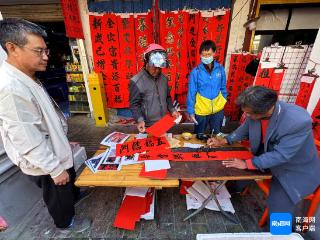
(194, 156)
(72, 20)
(169, 37)
(306, 87)
(220, 33)
(141, 145)
(118, 43)
(238, 80)
(98, 40)
(144, 35)
(128, 65)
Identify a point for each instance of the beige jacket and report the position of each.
(31, 130)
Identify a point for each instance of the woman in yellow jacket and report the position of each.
(207, 91)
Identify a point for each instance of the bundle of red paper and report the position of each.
(131, 210)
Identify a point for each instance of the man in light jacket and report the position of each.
(33, 130)
(281, 140)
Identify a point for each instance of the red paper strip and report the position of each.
(143, 33)
(192, 38)
(194, 156)
(276, 79)
(141, 145)
(159, 174)
(72, 20)
(238, 80)
(162, 126)
(220, 34)
(130, 211)
(304, 94)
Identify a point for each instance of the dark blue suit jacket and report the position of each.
(289, 149)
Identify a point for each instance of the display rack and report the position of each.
(77, 95)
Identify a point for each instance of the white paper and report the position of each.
(150, 214)
(193, 145)
(202, 188)
(307, 79)
(141, 136)
(136, 191)
(269, 64)
(114, 138)
(199, 192)
(225, 204)
(128, 160)
(178, 120)
(154, 165)
(219, 12)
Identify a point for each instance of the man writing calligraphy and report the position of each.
(150, 96)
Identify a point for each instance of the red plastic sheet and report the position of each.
(162, 126)
(72, 20)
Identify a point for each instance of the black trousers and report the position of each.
(59, 199)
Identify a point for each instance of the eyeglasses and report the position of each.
(39, 51)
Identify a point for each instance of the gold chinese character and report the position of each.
(169, 22)
(142, 24)
(143, 41)
(180, 18)
(169, 38)
(169, 51)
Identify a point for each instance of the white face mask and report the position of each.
(207, 60)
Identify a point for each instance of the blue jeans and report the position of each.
(214, 121)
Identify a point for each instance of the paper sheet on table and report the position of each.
(193, 145)
(136, 191)
(132, 159)
(226, 204)
(154, 165)
(141, 136)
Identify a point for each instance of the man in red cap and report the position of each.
(150, 96)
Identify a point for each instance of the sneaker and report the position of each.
(77, 225)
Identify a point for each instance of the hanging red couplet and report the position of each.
(263, 76)
(276, 79)
(192, 38)
(72, 20)
(128, 67)
(306, 87)
(169, 39)
(221, 25)
(98, 40)
(144, 35)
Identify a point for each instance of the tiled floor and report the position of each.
(103, 203)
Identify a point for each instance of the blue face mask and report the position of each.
(207, 60)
